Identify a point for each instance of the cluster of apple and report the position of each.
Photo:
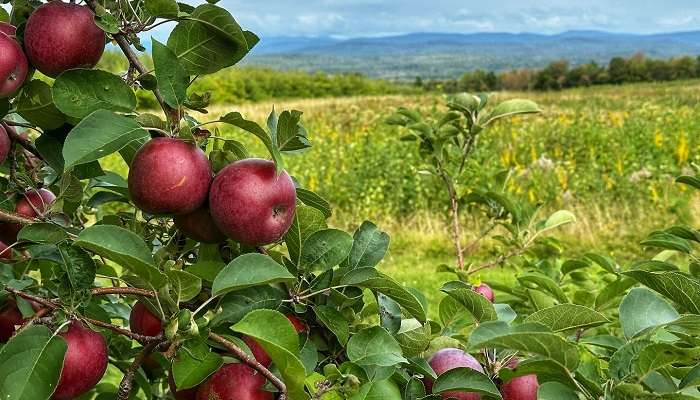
(231, 381)
(519, 388)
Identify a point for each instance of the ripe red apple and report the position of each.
(32, 201)
(199, 226)
(187, 394)
(447, 359)
(5, 144)
(84, 364)
(143, 321)
(234, 382)
(486, 291)
(251, 203)
(521, 388)
(13, 65)
(61, 36)
(259, 353)
(169, 176)
(5, 251)
(8, 29)
(9, 318)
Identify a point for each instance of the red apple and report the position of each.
(13, 66)
(199, 226)
(8, 29)
(143, 321)
(5, 251)
(169, 176)
(486, 291)
(521, 388)
(259, 353)
(61, 36)
(10, 317)
(5, 144)
(251, 203)
(35, 203)
(234, 382)
(84, 364)
(187, 394)
(447, 359)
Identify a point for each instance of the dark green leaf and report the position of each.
(563, 317)
(673, 285)
(369, 246)
(334, 321)
(194, 363)
(477, 305)
(326, 249)
(374, 346)
(172, 78)
(249, 270)
(80, 92)
(35, 104)
(465, 380)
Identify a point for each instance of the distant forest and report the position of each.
(561, 75)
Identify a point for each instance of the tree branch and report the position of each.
(127, 382)
(251, 362)
(122, 290)
(46, 303)
(15, 218)
(26, 143)
(124, 332)
(125, 46)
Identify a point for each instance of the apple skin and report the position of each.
(84, 364)
(5, 144)
(9, 318)
(447, 359)
(259, 353)
(521, 388)
(234, 382)
(187, 394)
(8, 29)
(143, 321)
(199, 225)
(169, 176)
(251, 204)
(27, 206)
(486, 291)
(61, 36)
(13, 66)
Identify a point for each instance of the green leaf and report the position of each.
(509, 108)
(124, 248)
(326, 249)
(370, 278)
(99, 135)
(673, 285)
(80, 92)
(612, 291)
(334, 321)
(465, 380)
(563, 317)
(234, 306)
(384, 389)
(556, 391)
(276, 335)
(689, 180)
(172, 78)
(306, 221)
(476, 304)
(288, 133)
(413, 337)
(209, 262)
(369, 246)
(527, 338)
(559, 218)
(642, 309)
(546, 370)
(668, 241)
(374, 346)
(210, 39)
(35, 104)
(544, 283)
(79, 266)
(237, 120)
(620, 365)
(30, 364)
(42, 233)
(312, 199)
(194, 363)
(691, 379)
(655, 356)
(162, 8)
(185, 285)
(249, 270)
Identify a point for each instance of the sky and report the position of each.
(353, 18)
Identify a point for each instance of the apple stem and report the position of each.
(127, 382)
(251, 362)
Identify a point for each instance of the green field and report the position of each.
(608, 154)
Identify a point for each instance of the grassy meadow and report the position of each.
(609, 154)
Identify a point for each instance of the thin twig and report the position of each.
(122, 290)
(251, 362)
(15, 218)
(124, 332)
(128, 381)
(498, 261)
(46, 303)
(15, 137)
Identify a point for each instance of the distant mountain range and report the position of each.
(443, 55)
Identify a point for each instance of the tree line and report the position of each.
(561, 74)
